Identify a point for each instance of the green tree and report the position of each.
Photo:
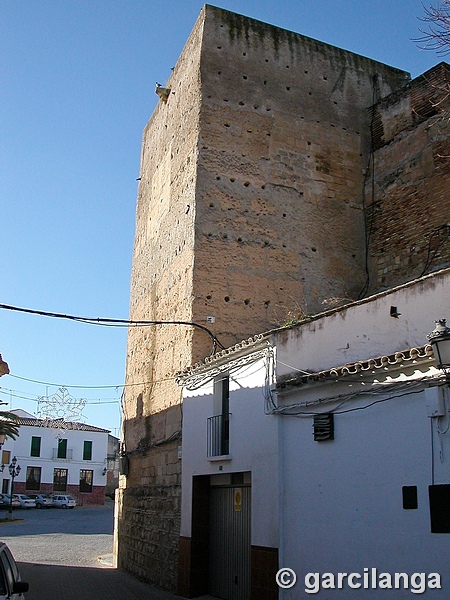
(9, 424)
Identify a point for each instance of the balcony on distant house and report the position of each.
(62, 454)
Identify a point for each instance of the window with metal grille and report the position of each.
(33, 481)
(59, 480)
(218, 426)
(86, 478)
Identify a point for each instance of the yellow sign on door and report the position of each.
(237, 499)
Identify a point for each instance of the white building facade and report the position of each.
(229, 472)
(334, 458)
(71, 459)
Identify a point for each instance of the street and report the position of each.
(58, 554)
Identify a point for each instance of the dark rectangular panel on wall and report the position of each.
(409, 494)
(440, 508)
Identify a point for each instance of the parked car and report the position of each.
(64, 501)
(5, 501)
(25, 501)
(42, 500)
(11, 585)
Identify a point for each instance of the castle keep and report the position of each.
(279, 176)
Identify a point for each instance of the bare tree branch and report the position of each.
(437, 34)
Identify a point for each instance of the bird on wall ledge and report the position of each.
(162, 92)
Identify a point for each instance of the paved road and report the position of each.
(58, 550)
(72, 537)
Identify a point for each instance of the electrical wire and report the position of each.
(107, 322)
(431, 256)
(18, 394)
(369, 169)
(92, 387)
(404, 388)
(348, 410)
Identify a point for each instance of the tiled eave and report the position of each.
(413, 355)
(224, 357)
(56, 424)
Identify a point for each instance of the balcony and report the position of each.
(68, 454)
(218, 436)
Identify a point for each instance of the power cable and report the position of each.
(107, 322)
(369, 170)
(92, 387)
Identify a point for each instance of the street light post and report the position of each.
(13, 471)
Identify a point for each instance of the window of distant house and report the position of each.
(6, 457)
(33, 481)
(86, 478)
(35, 446)
(62, 448)
(59, 480)
(87, 451)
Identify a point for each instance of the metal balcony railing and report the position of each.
(68, 454)
(218, 435)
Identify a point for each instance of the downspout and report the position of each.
(281, 559)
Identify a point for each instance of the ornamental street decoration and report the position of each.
(61, 411)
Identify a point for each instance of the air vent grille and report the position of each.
(323, 427)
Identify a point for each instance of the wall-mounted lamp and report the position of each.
(440, 342)
(104, 472)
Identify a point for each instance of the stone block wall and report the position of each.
(149, 517)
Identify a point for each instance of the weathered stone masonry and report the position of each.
(250, 210)
(409, 208)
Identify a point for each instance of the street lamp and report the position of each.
(13, 471)
(440, 342)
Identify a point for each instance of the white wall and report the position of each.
(367, 330)
(341, 509)
(253, 447)
(342, 499)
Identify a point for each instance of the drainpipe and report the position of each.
(281, 563)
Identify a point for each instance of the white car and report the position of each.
(25, 501)
(5, 501)
(42, 500)
(11, 587)
(64, 501)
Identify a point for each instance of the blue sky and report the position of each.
(77, 89)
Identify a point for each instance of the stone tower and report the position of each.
(249, 211)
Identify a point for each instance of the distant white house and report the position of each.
(70, 459)
(323, 447)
